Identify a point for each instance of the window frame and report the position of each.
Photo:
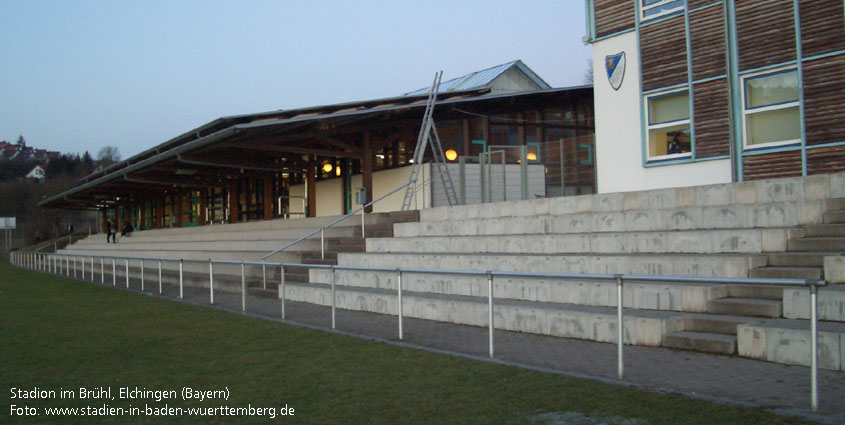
(644, 8)
(746, 111)
(648, 127)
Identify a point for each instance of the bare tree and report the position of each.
(108, 155)
(588, 74)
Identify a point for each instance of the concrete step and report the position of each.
(834, 217)
(834, 204)
(701, 341)
(787, 272)
(755, 291)
(825, 230)
(798, 259)
(264, 293)
(816, 244)
(714, 323)
(745, 307)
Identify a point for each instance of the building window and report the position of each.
(654, 8)
(772, 115)
(668, 125)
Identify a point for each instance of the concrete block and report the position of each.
(774, 240)
(457, 213)
(571, 223)
(723, 217)
(662, 199)
(773, 215)
(736, 241)
(633, 201)
(689, 242)
(608, 202)
(497, 210)
(434, 214)
(716, 194)
(746, 192)
(834, 269)
(685, 197)
(682, 219)
(817, 188)
(562, 205)
(831, 303)
(837, 185)
(584, 203)
(473, 211)
(792, 346)
(608, 222)
(751, 341)
(780, 190)
(810, 212)
(644, 220)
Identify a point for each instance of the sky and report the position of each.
(78, 75)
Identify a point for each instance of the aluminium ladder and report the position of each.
(428, 135)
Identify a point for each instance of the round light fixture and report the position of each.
(531, 156)
(451, 155)
(337, 171)
(327, 167)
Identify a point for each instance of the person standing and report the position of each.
(111, 232)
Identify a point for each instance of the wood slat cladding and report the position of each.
(772, 165)
(824, 85)
(765, 32)
(613, 16)
(663, 53)
(822, 26)
(695, 4)
(826, 160)
(707, 39)
(712, 119)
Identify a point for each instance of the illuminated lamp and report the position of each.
(337, 171)
(327, 167)
(531, 156)
(451, 155)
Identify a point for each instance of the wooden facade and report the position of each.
(729, 42)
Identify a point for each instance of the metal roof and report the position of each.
(483, 78)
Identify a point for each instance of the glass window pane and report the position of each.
(771, 89)
(651, 7)
(669, 140)
(773, 126)
(668, 108)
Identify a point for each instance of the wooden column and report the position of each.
(485, 129)
(268, 198)
(160, 213)
(178, 209)
(203, 203)
(467, 138)
(234, 201)
(521, 129)
(105, 217)
(311, 183)
(367, 169)
(143, 224)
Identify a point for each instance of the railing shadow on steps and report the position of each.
(322, 230)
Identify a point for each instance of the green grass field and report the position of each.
(61, 334)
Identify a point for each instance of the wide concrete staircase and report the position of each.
(730, 230)
(239, 242)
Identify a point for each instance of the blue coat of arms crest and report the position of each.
(615, 65)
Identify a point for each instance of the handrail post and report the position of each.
(126, 262)
(322, 243)
(181, 285)
(92, 268)
(210, 282)
(114, 271)
(102, 272)
(814, 346)
(282, 289)
(399, 292)
(490, 309)
(363, 233)
(243, 286)
(82, 272)
(75, 265)
(159, 277)
(142, 275)
(620, 326)
(333, 299)
(264, 274)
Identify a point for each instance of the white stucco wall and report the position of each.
(619, 163)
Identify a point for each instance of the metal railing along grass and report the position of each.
(52, 263)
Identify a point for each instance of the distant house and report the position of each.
(37, 174)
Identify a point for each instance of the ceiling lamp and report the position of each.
(337, 171)
(531, 156)
(327, 167)
(451, 155)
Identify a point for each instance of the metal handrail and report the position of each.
(322, 230)
(44, 262)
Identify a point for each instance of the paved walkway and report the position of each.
(762, 384)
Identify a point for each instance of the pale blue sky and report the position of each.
(79, 75)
